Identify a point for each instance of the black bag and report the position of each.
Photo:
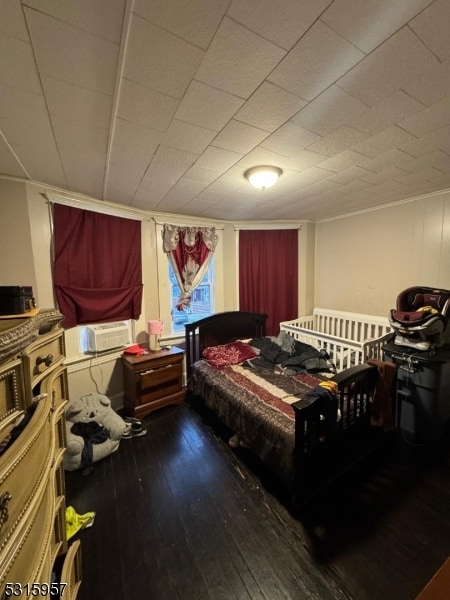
(16, 299)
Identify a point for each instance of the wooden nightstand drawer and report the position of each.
(152, 381)
(154, 378)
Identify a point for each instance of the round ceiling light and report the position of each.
(263, 177)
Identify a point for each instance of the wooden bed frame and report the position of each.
(316, 462)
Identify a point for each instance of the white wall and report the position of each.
(16, 253)
(362, 262)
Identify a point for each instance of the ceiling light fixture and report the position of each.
(263, 177)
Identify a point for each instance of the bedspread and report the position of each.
(255, 403)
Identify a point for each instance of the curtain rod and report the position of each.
(106, 208)
(188, 222)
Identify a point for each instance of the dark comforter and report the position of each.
(290, 354)
(255, 403)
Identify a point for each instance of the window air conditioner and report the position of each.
(107, 336)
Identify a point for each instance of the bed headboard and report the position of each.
(220, 329)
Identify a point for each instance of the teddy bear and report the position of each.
(93, 431)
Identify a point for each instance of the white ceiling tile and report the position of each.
(289, 138)
(12, 21)
(269, 107)
(432, 85)
(121, 185)
(432, 27)
(185, 189)
(86, 139)
(207, 107)
(174, 201)
(393, 137)
(77, 103)
(387, 174)
(187, 137)
(44, 166)
(218, 159)
(437, 159)
(344, 160)
(210, 196)
(300, 161)
(337, 141)
(17, 66)
(398, 61)
(238, 60)
(194, 208)
(395, 108)
(144, 106)
(429, 119)
(368, 24)
(333, 108)
(134, 136)
(195, 21)
(314, 175)
(149, 197)
(320, 186)
(202, 174)
(428, 174)
(8, 162)
(102, 17)
(348, 175)
(131, 154)
(127, 166)
(90, 166)
(390, 158)
(160, 60)
(355, 186)
(317, 61)
(436, 140)
(73, 55)
(146, 200)
(169, 164)
(282, 22)
(239, 137)
(20, 105)
(261, 156)
(36, 133)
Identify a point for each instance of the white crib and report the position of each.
(349, 338)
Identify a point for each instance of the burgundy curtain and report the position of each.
(268, 274)
(190, 250)
(97, 269)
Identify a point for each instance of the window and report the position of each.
(201, 303)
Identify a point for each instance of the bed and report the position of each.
(287, 417)
(349, 338)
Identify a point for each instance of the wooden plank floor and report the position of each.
(180, 515)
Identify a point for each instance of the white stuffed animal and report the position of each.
(93, 431)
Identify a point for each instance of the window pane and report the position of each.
(201, 302)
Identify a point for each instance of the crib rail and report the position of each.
(349, 338)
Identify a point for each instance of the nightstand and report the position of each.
(152, 381)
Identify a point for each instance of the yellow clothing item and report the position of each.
(427, 309)
(331, 386)
(75, 522)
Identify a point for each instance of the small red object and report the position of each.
(135, 349)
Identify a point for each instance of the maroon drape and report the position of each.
(97, 270)
(268, 274)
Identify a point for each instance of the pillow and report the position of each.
(228, 354)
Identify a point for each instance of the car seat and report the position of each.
(421, 319)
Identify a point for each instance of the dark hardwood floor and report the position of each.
(180, 515)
